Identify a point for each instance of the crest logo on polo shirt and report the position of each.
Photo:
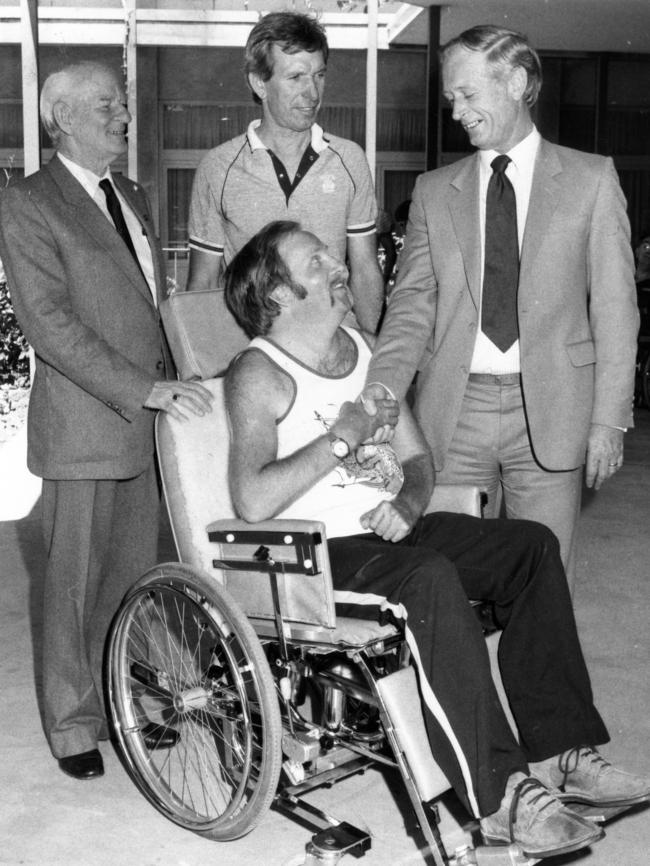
(329, 185)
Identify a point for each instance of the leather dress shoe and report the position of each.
(159, 736)
(85, 765)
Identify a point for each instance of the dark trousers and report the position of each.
(100, 536)
(427, 579)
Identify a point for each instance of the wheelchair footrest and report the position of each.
(333, 838)
(336, 841)
(488, 855)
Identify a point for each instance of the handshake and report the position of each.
(368, 427)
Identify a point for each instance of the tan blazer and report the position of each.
(87, 311)
(578, 317)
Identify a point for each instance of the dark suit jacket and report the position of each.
(88, 313)
(577, 309)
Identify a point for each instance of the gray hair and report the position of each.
(505, 50)
(63, 85)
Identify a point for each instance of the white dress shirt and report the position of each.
(487, 357)
(90, 182)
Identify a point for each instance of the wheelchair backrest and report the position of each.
(193, 461)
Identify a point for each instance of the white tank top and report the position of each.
(340, 498)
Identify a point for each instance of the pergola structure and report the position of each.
(128, 25)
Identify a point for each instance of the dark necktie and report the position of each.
(501, 273)
(115, 210)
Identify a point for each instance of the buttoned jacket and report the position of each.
(576, 304)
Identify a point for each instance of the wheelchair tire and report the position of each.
(182, 655)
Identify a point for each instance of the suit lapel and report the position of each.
(464, 210)
(92, 220)
(545, 195)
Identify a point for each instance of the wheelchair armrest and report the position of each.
(289, 546)
(294, 550)
(235, 524)
(462, 498)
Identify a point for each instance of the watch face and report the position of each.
(340, 448)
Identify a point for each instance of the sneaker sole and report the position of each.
(551, 852)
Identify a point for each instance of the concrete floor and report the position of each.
(48, 819)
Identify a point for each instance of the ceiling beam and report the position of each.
(96, 25)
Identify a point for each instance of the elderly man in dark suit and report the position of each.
(515, 300)
(85, 272)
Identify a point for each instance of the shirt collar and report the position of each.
(522, 154)
(318, 140)
(88, 179)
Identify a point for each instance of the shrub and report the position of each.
(14, 352)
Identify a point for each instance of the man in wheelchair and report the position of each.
(298, 451)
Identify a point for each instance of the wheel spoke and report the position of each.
(179, 659)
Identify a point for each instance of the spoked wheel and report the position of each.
(182, 655)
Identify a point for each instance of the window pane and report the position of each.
(11, 124)
(398, 187)
(179, 190)
(200, 127)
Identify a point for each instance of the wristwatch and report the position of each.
(339, 447)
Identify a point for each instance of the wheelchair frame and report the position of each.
(239, 650)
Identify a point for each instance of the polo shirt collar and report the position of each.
(318, 141)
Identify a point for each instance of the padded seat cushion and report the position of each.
(359, 632)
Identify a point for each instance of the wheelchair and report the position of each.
(237, 648)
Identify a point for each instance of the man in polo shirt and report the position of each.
(286, 167)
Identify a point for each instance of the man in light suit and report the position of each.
(85, 289)
(520, 420)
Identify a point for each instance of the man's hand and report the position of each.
(604, 454)
(374, 397)
(391, 521)
(357, 426)
(180, 399)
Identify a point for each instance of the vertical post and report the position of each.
(29, 55)
(432, 107)
(130, 64)
(371, 86)
(31, 123)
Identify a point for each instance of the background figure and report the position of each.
(398, 231)
(642, 279)
(85, 273)
(642, 273)
(521, 410)
(286, 167)
(386, 252)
